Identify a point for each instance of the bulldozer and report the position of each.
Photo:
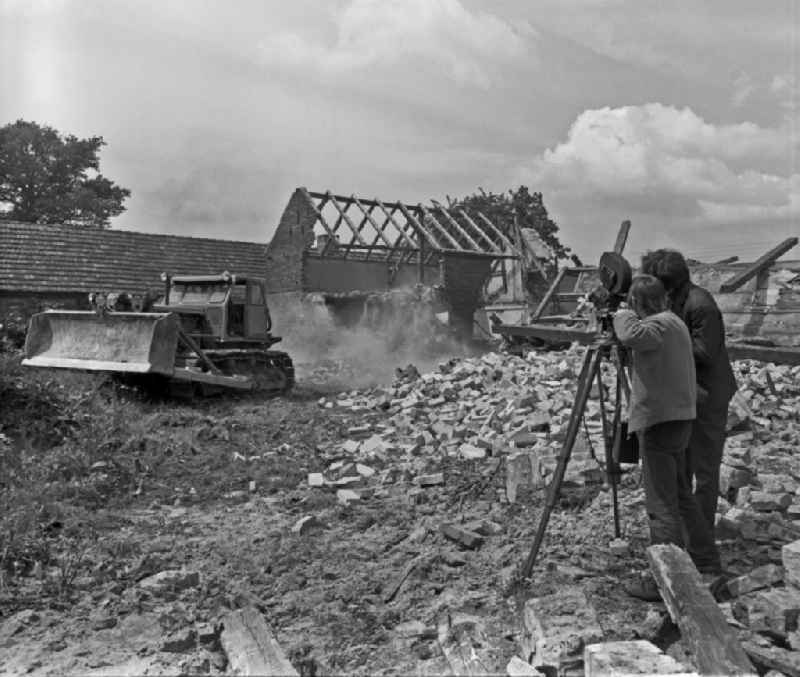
(203, 335)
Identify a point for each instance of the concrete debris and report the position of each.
(626, 659)
(170, 581)
(558, 626)
(432, 480)
(179, 641)
(759, 578)
(519, 668)
(462, 536)
(790, 554)
(345, 496)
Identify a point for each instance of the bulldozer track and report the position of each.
(272, 370)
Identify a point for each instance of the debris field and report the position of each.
(372, 531)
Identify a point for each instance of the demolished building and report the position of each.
(347, 251)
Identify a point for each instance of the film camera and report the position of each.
(615, 281)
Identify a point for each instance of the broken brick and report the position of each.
(468, 539)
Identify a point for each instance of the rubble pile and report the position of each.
(760, 473)
(502, 411)
(494, 409)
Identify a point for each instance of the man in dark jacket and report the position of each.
(716, 383)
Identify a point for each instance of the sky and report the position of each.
(680, 116)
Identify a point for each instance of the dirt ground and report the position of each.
(214, 488)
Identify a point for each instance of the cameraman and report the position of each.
(716, 383)
(662, 408)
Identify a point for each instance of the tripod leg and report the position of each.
(611, 446)
(591, 366)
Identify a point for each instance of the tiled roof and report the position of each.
(61, 258)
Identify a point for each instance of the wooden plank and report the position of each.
(546, 333)
(774, 658)
(778, 355)
(703, 627)
(251, 647)
(622, 237)
(764, 261)
(394, 588)
(549, 295)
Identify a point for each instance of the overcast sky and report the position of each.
(677, 115)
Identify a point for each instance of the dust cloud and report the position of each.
(328, 351)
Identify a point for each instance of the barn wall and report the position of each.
(336, 275)
(285, 252)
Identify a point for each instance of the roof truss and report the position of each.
(352, 227)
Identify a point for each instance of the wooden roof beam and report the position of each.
(434, 222)
(458, 227)
(417, 226)
(346, 218)
(496, 231)
(763, 262)
(478, 229)
(318, 211)
(622, 237)
(390, 219)
(368, 217)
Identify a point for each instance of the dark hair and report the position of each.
(647, 295)
(667, 265)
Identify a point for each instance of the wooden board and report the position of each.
(251, 647)
(713, 643)
(774, 658)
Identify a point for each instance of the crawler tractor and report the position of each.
(204, 334)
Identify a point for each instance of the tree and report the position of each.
(527, 207)
(49, 178)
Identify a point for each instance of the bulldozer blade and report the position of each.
(116, 342)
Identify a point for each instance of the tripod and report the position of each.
(605, 347)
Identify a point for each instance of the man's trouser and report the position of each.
(704, 456)
(674, 514)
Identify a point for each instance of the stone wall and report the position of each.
(285, 252)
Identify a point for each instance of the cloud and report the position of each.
(666, 164)
(375, 33)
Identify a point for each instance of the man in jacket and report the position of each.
(716, 383)
(662, 409)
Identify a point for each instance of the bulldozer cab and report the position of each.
(225, 306)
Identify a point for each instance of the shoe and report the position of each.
(643, 587)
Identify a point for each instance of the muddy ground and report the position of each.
(102, 489)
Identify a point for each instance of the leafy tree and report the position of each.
(46, 177)
(527, 207)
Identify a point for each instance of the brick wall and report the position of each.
(295, 232)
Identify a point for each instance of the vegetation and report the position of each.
(521, 204)
(47, 177)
